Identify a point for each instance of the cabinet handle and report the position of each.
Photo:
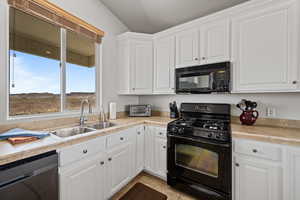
(121, 138)
(109, 159)
(254, 150)
(102, 163)
(237, 164)
(84, 151)
(295, 82)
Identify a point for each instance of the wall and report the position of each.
(287, 105)
(95, 13)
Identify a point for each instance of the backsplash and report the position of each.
(286, 105)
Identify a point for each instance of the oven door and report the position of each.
(201, 162)
(194, 82)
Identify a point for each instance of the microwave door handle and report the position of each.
(211, 80)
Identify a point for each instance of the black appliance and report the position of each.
(203, 79)
(34, 178)
(199, 151)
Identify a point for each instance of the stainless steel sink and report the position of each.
(102, 125)
(67, 132)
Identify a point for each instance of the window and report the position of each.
(40, 79)
(80, 71)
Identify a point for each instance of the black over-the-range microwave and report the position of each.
(209, 78)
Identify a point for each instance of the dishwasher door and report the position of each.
(34, 178)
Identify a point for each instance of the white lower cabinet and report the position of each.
(257, 179)
(139, 151)
(161, 157)
(149, 148)
(118, 168)
(83, 180)
(293, 174)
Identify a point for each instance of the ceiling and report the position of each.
(151, 16)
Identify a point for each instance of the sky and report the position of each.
(35, 74)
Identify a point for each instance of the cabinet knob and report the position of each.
(160, 133)
(164, 147)
(295, 82)
(203, 58)
(138, 133)
(102, 163)
(133, 88)
(237, 164)
(84, 151)
(254, 150)
(195, 58)
(121, 138)
(109, 159)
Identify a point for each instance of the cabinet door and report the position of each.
(123, 68)
(257, 180)
(141, 67)
(265, 50)
(83, 180)
(149, 148)
(187, 48)
(140, 149)
(215, 42)
(118, 168)
(164, 65)
(161, 157)
(293, 171)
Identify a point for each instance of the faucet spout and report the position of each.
(82, 116)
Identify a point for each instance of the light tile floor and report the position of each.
(156, 184)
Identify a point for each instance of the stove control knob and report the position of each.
(218, 136)
(209, 135)
(174, 129)
(180, 130)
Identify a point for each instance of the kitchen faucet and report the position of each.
(102, 116)
(82, 117)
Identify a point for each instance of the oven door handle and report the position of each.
(15, 180)
(201, 141)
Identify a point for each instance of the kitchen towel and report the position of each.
(17, 132)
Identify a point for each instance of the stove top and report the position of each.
(213, 125)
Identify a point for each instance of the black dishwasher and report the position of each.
(34, 178)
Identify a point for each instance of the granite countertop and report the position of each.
(10, 153)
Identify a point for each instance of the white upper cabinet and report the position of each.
(187, 48)
(215, 42)
(135, 63)
(164, 65)
(142, 66)
(208, 44)
(123, 67)
(265, 49)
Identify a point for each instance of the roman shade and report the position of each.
(53, 14)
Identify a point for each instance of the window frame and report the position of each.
(5, 82)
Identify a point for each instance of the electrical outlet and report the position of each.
(271, 112)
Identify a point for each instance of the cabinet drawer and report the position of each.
(79, 151)
(161, 132)
(258, 149)
(117, 139)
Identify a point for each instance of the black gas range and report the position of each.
(199, 151)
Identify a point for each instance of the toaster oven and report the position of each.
(140, 110)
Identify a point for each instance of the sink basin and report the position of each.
(102, 125)
(67, 132)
